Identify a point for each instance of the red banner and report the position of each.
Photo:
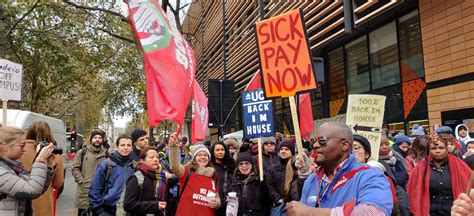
(254, 82)
(200, 115)
(169, 62)
(306, 116)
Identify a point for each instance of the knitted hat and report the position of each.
(244, 156)
(268, 140)
(97, 132)
(290, 145)
(136, 134)
(400, 138)
(417, 130)
(364, 142)
(232, 142)
(200, 148)
(444, 129)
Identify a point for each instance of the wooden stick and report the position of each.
(5, 109)
(260, 159)
(470, 184)
(296, 125)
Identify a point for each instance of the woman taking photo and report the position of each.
(224, 165)
(110, 179)
(437, 180)
(198, 190)
(17, 189)
(37, 132)
(147, 191)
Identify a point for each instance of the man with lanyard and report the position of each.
(341, 185)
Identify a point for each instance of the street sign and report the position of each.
(365, 117)
(257, 114)
(11, 75)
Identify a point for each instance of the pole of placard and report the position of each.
(296, 125)
(260, 161)
(5, 106)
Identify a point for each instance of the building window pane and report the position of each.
(385, 69)
(337, 79)
(358, 66)
(410, 47)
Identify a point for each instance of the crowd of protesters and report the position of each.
(419, 174)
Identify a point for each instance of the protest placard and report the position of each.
(11, 82)
(285, 57)
(257, 114)
(365, 117)
(285, 60)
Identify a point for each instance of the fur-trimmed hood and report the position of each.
(205, 171)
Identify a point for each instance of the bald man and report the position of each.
(341, 185)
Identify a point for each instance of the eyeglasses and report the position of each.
(268, 143)
(21, 145)
(244, 163)
(324, 140)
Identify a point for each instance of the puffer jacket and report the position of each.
(106, 191)
(18, 190)
(252, 195)
(84, 177)
(44, 205)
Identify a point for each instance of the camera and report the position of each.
(56, 150)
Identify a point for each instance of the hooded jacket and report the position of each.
(84, 173)
(17, 190)
(104, 195)
(462, 140)
(355, 182)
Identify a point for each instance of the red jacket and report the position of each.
(419, 192)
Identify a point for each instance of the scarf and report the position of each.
(94, 149)
(159, 179)
(119, 159)
(16, 166)
(389, 159)
(419, 192)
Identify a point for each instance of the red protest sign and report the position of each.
(169, 62)
(285, 59)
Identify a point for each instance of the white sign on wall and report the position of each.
(11, 81)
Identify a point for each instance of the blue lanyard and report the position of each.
(321, 192)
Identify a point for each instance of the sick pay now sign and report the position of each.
(257, 114)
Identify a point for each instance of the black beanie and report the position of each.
(365, 143)
(137, 133)
(244, 156)
(97, 132)
(290, 145)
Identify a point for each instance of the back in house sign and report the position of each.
(257, 114)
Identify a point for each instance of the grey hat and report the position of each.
(268, 140)
(200, 148)
(444, 129)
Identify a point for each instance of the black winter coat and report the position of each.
(142, 202)
(224, 174)
(269, 160)
(275, 180)
(253, 199)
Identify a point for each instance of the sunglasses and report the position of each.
(324, 140)
(244, 163)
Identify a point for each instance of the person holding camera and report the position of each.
(17, 188)
(40, 132)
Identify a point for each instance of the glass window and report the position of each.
(385, 70)
(393, 103)
(358, 66)
(410, 47)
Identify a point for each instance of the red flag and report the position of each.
(200, 115)
(254, 82)
(306, 116)
(169, 62)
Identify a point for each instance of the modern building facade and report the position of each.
(420, 54)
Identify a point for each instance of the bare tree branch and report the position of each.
(23, 17)
(116, 35)
(122, 17)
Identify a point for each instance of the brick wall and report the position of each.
(447, 29)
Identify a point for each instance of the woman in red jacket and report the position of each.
(199, 194)
(437, 180)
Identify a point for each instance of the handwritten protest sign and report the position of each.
(257, 114)
(365, 117)
(11, 76)
(285, 58)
